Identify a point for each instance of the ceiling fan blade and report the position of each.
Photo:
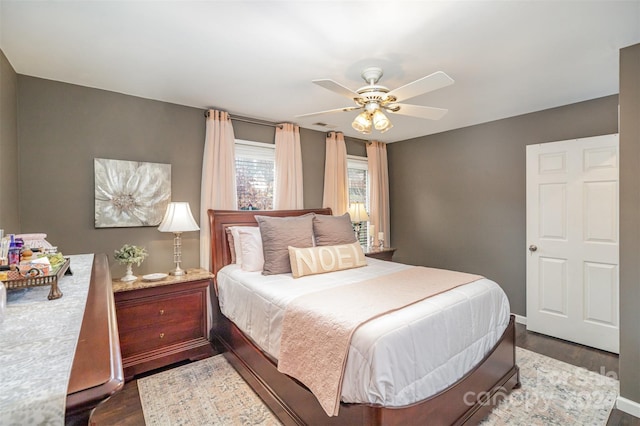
(419, 111)
(434, 81)
(344, 109)
(337, 88)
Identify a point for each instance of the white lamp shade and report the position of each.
(178, 218)
(358, 212)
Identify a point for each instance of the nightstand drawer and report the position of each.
(177, 308)
(154, 337)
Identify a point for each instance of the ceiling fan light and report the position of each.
(386, 128)
(362, 123)
(381, 122)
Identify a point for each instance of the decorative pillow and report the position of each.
(278, 233)
(235, 247)
(251, 247)
(318, 260)
(333, 230)
(232, 248)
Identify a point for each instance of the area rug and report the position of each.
(206, 392)
(556, 393)
(210, 392)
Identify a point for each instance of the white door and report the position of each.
(572, 238)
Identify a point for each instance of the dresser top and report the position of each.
(39, 338)
(195, 274)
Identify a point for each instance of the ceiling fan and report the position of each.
(375, 99)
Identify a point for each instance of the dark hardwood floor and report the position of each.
(581, 356)
(124, 407)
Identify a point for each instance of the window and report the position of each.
(358, 174)
(255, 172)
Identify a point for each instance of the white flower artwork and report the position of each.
(130, 193)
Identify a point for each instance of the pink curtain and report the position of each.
(336, 184)
(288, 179)
(218, 189)
(379, 190)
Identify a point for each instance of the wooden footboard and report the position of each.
(466, 402)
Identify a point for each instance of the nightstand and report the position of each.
(162, 322)
(385, 253)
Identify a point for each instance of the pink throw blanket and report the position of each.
(317, 327)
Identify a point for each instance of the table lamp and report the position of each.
(178, 219)
(358, 215)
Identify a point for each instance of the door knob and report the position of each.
(533, 248)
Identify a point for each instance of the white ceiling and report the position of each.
(257, 58)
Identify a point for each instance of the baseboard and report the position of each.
(520, 319)
(628, 406)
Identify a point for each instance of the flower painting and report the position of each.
(130, 193)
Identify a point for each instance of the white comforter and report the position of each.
(394, 360)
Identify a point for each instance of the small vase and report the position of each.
(129, 276)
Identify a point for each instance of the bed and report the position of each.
(466, 401)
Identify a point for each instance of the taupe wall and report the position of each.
(9, 213)
(630, 223)
(63, 127)
(458, 198)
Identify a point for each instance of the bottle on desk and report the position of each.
(14, 251)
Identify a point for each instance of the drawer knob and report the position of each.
(162, 335)
(161, 311)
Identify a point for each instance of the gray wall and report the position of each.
(9, 206)
(630, 222)
(63, 127)
(458, 198)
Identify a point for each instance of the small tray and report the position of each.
(51, 279)
(154, 277)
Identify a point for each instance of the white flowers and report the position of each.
(130, 193)
(128, 255)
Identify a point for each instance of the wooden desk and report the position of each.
(60, 357)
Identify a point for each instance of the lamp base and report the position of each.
(177, 255)
(178, 272)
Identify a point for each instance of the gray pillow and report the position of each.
(278, 233)
(333, 230)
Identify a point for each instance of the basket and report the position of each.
(43, 280)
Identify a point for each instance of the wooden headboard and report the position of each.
(220, 220)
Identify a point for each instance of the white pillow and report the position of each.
(235, 234)
(251, 248)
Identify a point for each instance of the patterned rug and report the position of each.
(211, 392)
(555, 393)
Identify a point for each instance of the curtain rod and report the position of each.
(250, 120)
(349, 137)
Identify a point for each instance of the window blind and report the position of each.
(255, 171)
